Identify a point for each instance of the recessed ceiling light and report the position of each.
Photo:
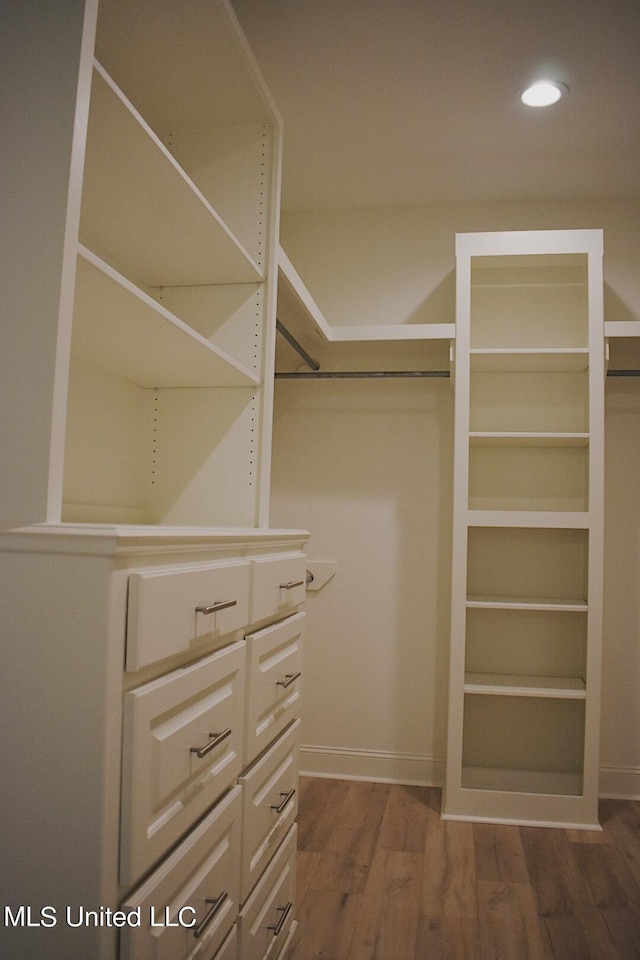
(543, 93)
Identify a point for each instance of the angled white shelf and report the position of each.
(122, 330)
(311, 315)
(141, 209)
(516, 685)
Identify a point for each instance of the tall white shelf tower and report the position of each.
(526, 624)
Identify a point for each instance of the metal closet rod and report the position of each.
(391, 374)
(317, 374)
(296, 346)
(362, 374)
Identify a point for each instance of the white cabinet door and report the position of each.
(182, 747)
(188, 905)
(269, 805)
(274, 682)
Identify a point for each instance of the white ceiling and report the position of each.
(413, 101)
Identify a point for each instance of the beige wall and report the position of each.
(366, 467)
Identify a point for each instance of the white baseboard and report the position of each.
(620, 783)
(346, 764)
(343, 763)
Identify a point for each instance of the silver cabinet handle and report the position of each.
(277, 927)
(291, 584)
(289, 679)
(216, 903)
(216, 605)
(216, 738)
(287, 796)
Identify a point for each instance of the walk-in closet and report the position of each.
(319, 519)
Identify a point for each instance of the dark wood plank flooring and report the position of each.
(382, 877)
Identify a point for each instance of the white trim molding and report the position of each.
(345, 763)
(620, 783)
(380, 765)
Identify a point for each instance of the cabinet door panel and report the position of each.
(163, 618)
(182, 747)
(274, 682)
(269, 804)
(187, 906)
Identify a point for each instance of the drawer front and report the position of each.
(189, 904)
(269, 805)
(173, 611)
(182, 748)
(266, 918)
(279, 585)
(229, 949)
(274, 682)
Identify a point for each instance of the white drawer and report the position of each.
(266, 918)
(166, 609)
(182, 747)
(279, 585)
(229, 949)
(269, 805)
(274, 682)
(188, 905)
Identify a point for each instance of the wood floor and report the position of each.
(382, 877)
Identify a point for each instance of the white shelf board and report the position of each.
(545, 244)
(535, 519)
(122, 330)
(527, 439)
(527, 603)
(622, 328)
(394, 331)
(553, 783)
(141, 207)
(522, 360)
(517, 685)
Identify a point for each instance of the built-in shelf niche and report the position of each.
(527, 565)
(500, 752)
(529, 474)
(536, 642)
(541, 401)
(532, 301)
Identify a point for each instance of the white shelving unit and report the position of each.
(150, 374)
(528, 529)
(144, 594)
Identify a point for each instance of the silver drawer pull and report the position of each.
(289, 679)
(216, 738)
(277, 927)
(287, 796)
(216, 903)
(216, 605)
(291, 584)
